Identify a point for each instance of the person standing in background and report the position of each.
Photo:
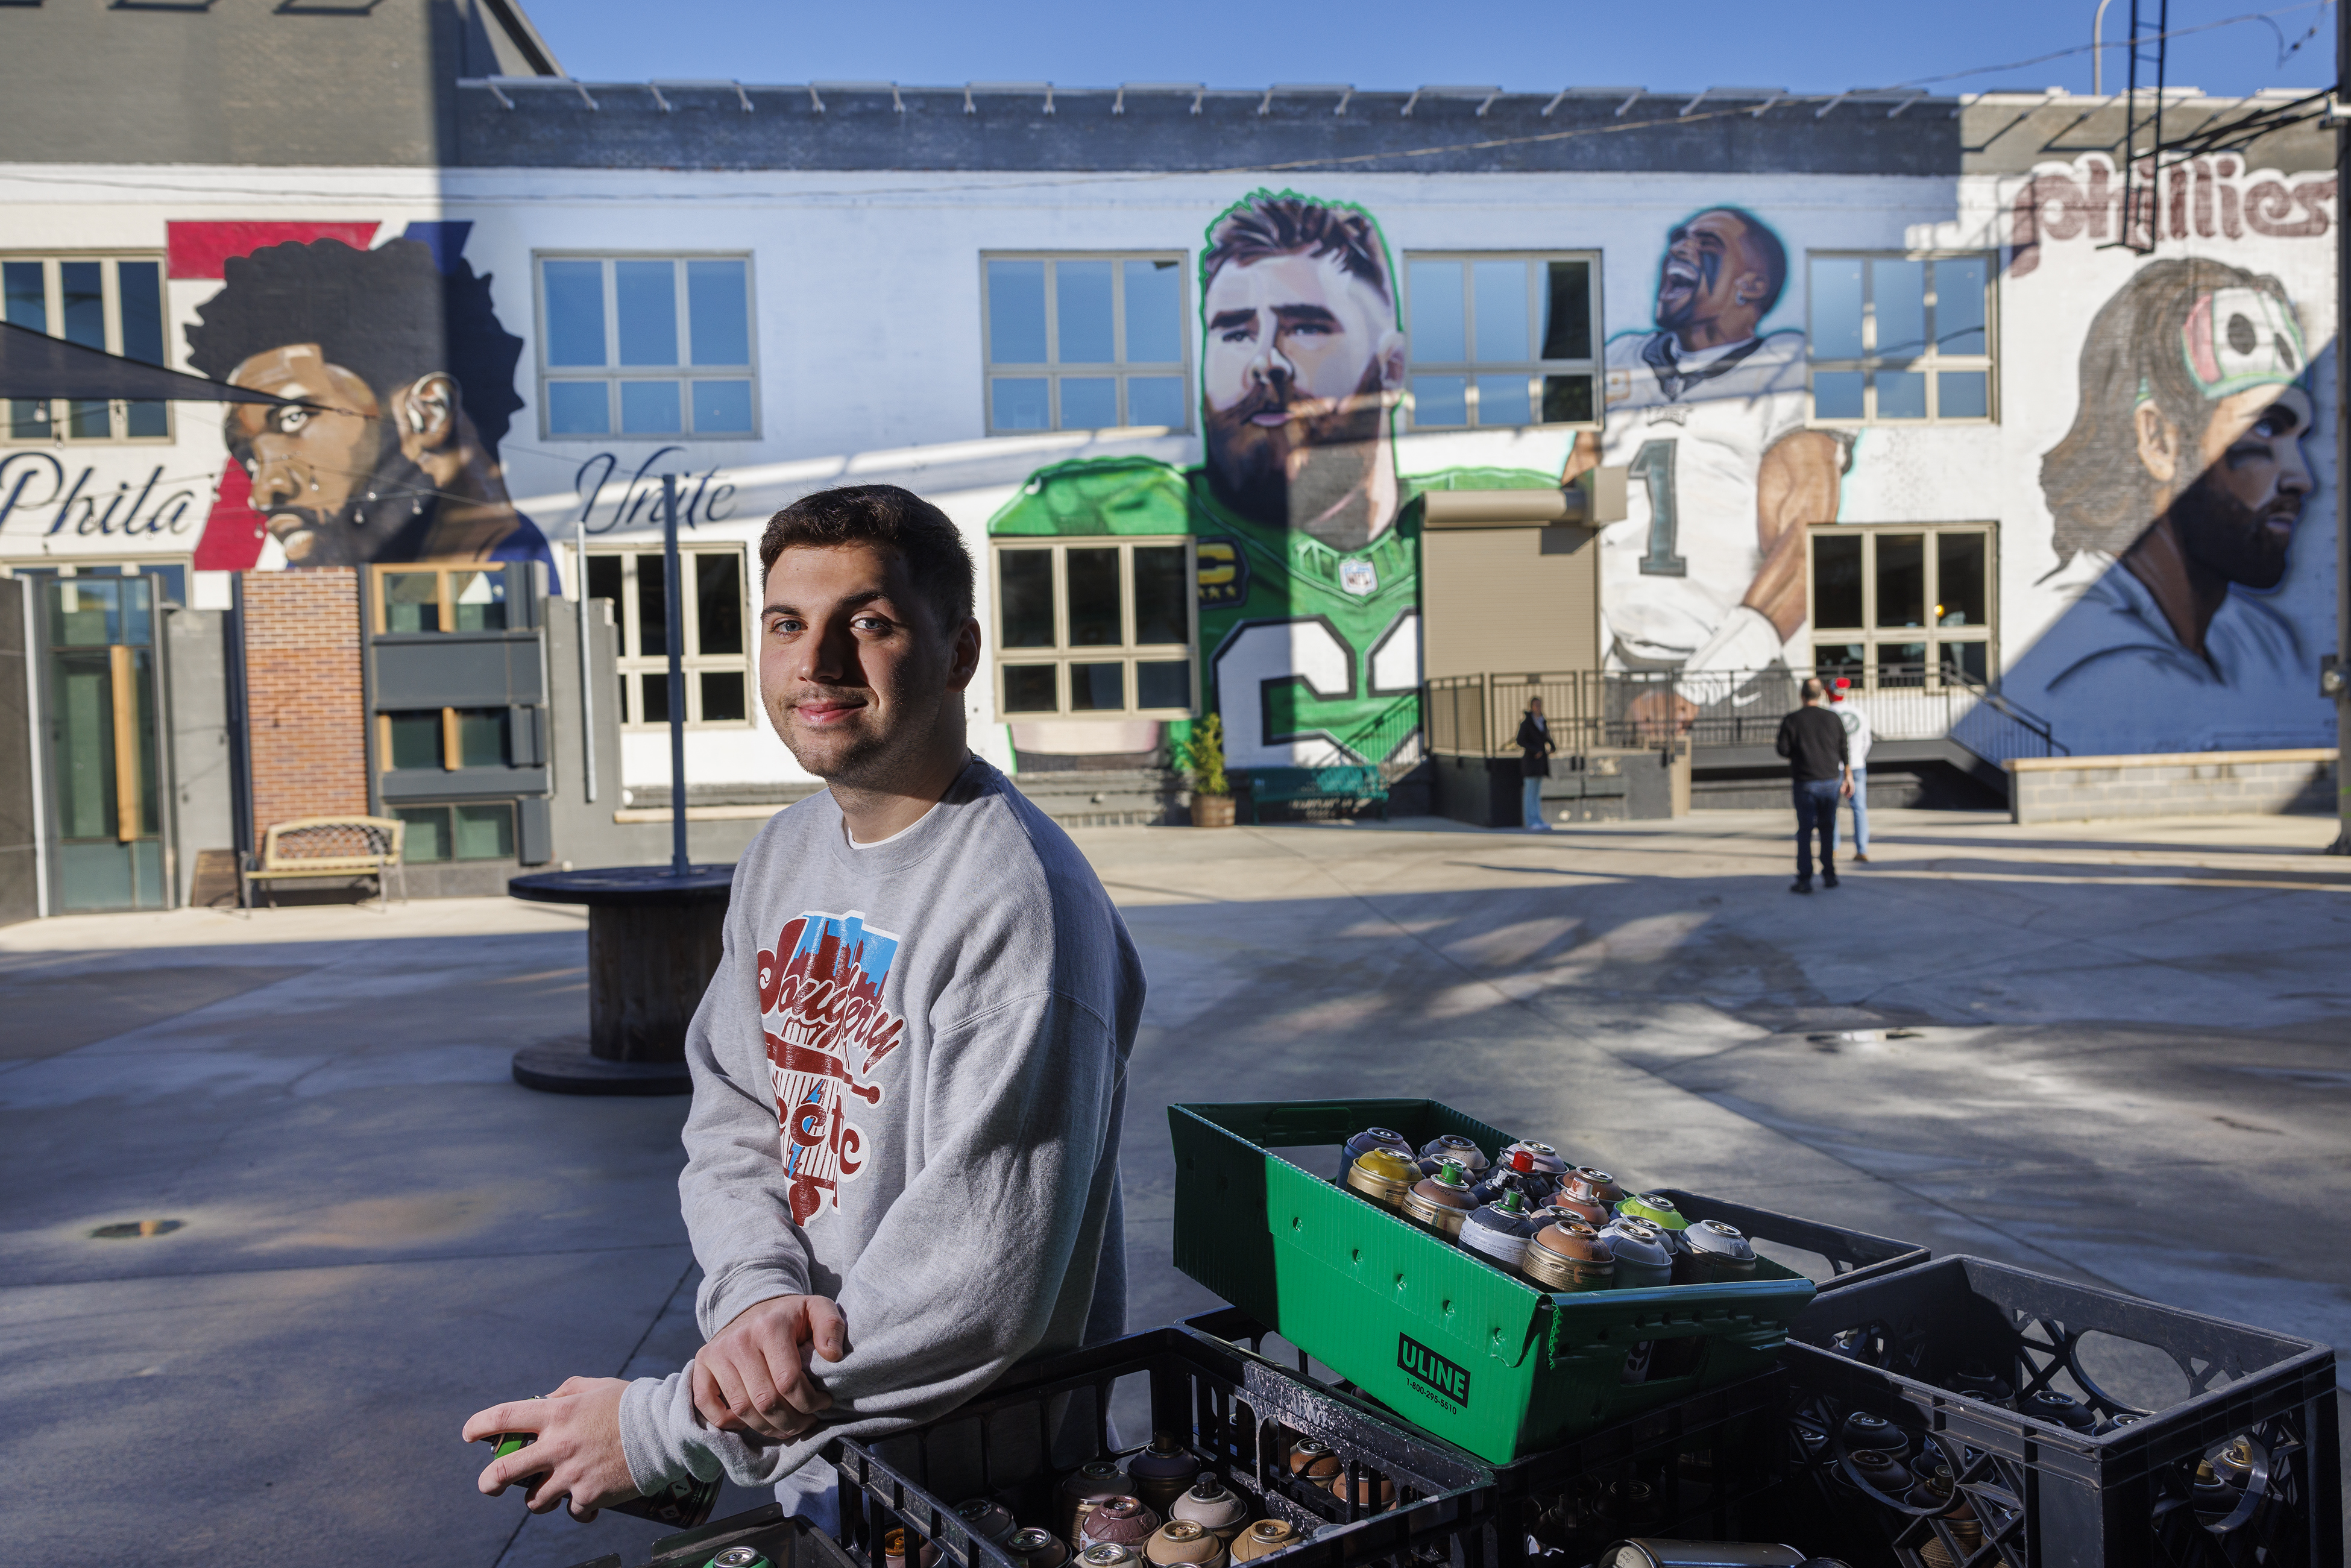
(1813, 741)
(1855, 720)
(1535, 748)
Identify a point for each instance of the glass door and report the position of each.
(104, 769)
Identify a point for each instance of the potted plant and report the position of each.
(1202, 758)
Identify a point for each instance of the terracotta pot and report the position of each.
(1212, 810)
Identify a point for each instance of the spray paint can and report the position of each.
(2062, 1410)
(1595, 1214)
(1385, 1176)
(1367, 1487)
(1541, 1158)
(740, 1557)
(1213, 1506)
(1124, 1520)
(1711, 1251)
(682, 1505)
(1093, 1482)
(1441, 1202)
(1977, 1380)
(1163, 1472)
(1263, 1539)
(1643, 1256)
(1182, 1542)
(1498, 1232)
(1314, 1460)
(1652, 1553)
(1111, 1554)
(1453, 1146)
(1594, 1185)
(1569, 1255)
(1656, 1209)
(1036, 1548)
(989, 1520)
(1371, 1138)
(1860, 1429)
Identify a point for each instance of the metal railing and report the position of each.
(1613, 710)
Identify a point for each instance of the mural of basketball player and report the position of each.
(1308, 587)
(2184, 467)
(1705, 575)
(406, 383)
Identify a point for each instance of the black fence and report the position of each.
(1477, 716)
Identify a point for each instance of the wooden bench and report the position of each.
(330, 846)
(1288, 784)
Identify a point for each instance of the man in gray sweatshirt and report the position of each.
(909, 1071)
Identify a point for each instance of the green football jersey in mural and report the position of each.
(1311, 654)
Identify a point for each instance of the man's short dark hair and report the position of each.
(1282, 223)
(387, 315)
(1814, 688)
(885, 515)
(2092, 480)
(1768, 250)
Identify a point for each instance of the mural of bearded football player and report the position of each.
(1704, 574)
(2184, 468)
(1308, 587)
(405, 381)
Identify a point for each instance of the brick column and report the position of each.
(307, 712)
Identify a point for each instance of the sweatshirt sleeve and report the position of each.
(734, 1192)
(1785, 743)
(960, 1280)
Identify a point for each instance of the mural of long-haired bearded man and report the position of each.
(405, 381)
(2185, 467)
(1302, 364)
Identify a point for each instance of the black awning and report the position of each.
(35, 365)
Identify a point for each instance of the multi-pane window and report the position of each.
(483, 832)
(1502, 341)
(1095, 629)
(1085, 343)
(112, 304)
(1901, 338)
(444, 737)
(1903, 605)
(440, 599)
(638, 345)
(718, 685)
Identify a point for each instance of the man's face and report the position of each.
(312, 467)
(1301, 355)
(852, 671)
(2236, 518)
(1710, 278)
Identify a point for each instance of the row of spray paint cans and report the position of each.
(1154, 1509)
(1533, 1216)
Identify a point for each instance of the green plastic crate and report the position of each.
(1487, 1362)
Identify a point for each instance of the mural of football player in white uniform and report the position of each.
(1704, 574)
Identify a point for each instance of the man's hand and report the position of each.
(753, 1375)
(578, 1454)
(1846, 789)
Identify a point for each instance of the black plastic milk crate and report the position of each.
(1235, 1412)
(1851, 1255)
(2253, 1411)
(1705, 1468)
(786, 1542)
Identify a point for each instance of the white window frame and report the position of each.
(53, 307)
(1122, 370)
(1871, 636)
(612, 373)
(1532, 368)
(633, 667)
(1127, 651)
(1928, 363)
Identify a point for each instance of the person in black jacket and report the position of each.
(1535, 748)
(1813, 742)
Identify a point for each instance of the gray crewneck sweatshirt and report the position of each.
(909, 1079)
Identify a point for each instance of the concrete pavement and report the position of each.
(2124, 1061)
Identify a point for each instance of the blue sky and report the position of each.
(1804, 46)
